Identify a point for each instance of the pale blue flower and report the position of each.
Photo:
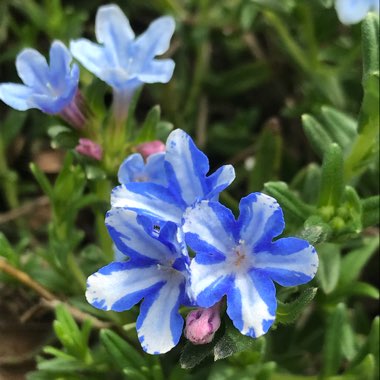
(155, 271)
(186, 169)
(122, 60)
(49, 88)
(238, 258)
(353, 11)
(135, 169)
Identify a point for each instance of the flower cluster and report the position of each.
(170, 203)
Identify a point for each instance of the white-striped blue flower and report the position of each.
(49, 88)
(135, 169)
(353, 11)
(186, 169)
(238, 258)
(122, 60)
(156, 270)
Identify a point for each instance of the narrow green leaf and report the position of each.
(122, 354)
(353, 263)
(267, 157)
(289, 312)
(329, 266)
(332, 349)
(332, 183)
(42, 180)
(316, 134)
(342, 128)
(148, 130)
(371, 211)
(370, 43)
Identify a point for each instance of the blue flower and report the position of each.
(48, 88)
(353, 11)
(134, 169)
(122, 60)
(186, 169)
(156, 271)
(240, 260)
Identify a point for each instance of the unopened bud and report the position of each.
(89, 148)
(151, 147)
(201, 324)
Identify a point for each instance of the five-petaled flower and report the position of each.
(353, 11)
(51, 89)
(186, 169)
(156, 271)
(123, 61)
(240, 260)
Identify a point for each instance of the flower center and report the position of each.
(240, 255)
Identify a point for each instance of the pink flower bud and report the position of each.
(89, 148)
(148, 148)
(201, 324)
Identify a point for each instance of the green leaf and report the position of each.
(122, 354)
(163, 129)
(366, 370)
(329, 266)
(42, 180)
(315, 230)
(332, 349)
(340, 127)
(267, 157)
(316, 134)
(371, 211)
(192, 354)
(289, 312)
(148, 130)
(233, 341)
(370, 43)
(332, 183)
(353, 263)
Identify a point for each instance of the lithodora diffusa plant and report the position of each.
(159, 261)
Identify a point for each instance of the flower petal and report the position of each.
(90, 55)
(251, 303)
(155, 168)
(112, 29)
(16, 96)
(157, 71)
(131, 168)
(120, 285)
(260, 220)
(155, 40)
(219, 180)
(128, 233)
(159, 325)
(209, 281)
(210, 230)
(148, 199)
(186, 167)
(352, 11)
(289, 262)
(33, 69)
(59, 70)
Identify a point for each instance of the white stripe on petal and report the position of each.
(260, 219)
(209, 283)
(209, 227)
(159, 325)
(186, 167)
(119, 286)
(148, 199)
(291, 261)
(252, 304)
